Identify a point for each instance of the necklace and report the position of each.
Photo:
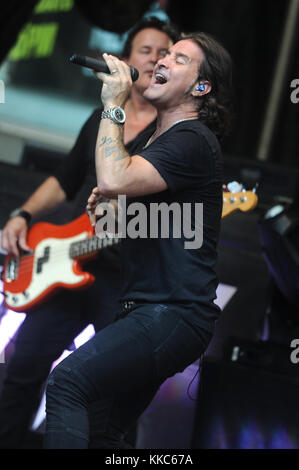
(176, 122)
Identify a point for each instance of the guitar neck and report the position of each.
(91, 245)
(243, 200)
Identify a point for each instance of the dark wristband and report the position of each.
(21, 213)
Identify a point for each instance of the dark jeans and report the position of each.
(41, 339)
(120, 368)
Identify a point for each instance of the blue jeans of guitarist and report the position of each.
(46, 332)
(120, 369)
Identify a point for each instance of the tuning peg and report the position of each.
(235, 187)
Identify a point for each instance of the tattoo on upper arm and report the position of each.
(112, 148)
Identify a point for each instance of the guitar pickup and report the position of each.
(43, 259)
(11, 272)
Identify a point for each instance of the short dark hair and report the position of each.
(215, 108)
(151, 22)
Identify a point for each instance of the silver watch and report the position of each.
(117, 115)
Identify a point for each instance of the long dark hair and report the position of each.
(215, 108)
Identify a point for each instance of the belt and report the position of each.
(128, 304)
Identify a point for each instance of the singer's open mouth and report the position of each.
(160, 78)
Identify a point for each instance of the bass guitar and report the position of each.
(59, 252)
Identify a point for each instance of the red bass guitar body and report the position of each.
(55, 262)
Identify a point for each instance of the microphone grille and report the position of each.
(77, 59)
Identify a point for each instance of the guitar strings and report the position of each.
(26, 263)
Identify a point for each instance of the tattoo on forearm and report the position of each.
(106, 140)
(121, 156)
(112, 148)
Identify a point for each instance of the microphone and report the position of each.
(98, 64)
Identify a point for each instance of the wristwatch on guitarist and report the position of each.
(21, 213)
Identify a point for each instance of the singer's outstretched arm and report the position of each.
(117, 171)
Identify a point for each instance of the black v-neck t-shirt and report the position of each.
(161, 269)
(188, 157)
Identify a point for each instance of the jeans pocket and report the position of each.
(182, 347)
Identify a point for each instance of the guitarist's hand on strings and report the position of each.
(14, 234)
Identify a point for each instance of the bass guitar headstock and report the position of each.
(235, 197)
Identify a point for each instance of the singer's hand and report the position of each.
(93, 209)
(117, 85)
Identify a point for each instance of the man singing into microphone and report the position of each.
(168, 311)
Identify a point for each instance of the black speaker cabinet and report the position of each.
(243, 406)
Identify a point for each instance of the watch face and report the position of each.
(119, 115)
